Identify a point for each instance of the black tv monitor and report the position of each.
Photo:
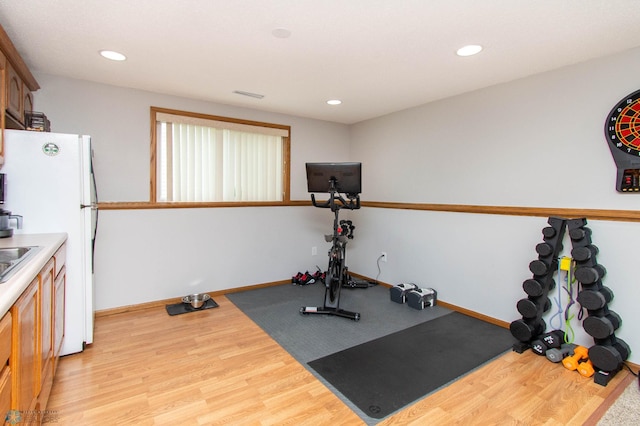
(347, 177)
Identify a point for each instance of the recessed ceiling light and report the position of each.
(469, 50)
(114, 56)
(334, 102)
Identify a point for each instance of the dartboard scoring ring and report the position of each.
(622, 127)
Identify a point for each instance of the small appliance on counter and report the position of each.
(5, 215)
(6, 230)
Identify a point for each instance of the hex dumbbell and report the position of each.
(571, 362)
(538, 287)
(524, 329)
(601, 327)
(533, 307)
(590, 275)
(552, 339)
(609, 356)
(558, 354)
(586, 369)
(594, 299)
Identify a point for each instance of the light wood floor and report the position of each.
(218, 367)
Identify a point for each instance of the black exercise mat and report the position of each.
(184, 308)
(385, 374)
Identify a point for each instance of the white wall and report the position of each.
(118, 120)
(535, 142)
(148, 255)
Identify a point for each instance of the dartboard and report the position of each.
(622, 127)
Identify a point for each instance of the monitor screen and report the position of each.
(347, 177)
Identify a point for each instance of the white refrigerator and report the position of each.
(49, 182)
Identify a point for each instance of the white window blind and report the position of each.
(201, 160)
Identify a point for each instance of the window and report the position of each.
(207, 159)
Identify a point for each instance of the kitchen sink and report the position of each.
(12, 258)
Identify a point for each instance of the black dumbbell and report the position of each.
(582, 254)
(533, 307)
(590, 275)
(552, 339)
(538, 267)
(595, 299)
(544, 249)
(548, 232)
(609, 357)
(601, 327)
(524, 330)
(579, 233)
(537, 287)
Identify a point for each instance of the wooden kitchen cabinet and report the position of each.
(17, 85)
(5, 393)
(59, 288)
(27, 102)
(14, 99)
(46, 325)
(25, 349)
(36, 338)
(5, 369)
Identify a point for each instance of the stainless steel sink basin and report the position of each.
(13, 253)
(12, 258)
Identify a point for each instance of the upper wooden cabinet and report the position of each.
(17, 85)
(14, 101)
(27, 101)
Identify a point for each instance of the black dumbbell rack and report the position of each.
(537, 302)
(608, 353)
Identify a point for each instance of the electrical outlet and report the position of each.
(383, 256)
(314, 251)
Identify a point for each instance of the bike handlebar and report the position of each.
(353, 203)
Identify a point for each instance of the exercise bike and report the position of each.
(337, 272)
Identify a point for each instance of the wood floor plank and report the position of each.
(209, 367)
(528, 390)
(217, 367)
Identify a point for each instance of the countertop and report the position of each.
(11, 290)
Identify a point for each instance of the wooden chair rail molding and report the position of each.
(594, 214)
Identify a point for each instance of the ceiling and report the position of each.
(377, 56)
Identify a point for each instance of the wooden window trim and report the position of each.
(286, 162)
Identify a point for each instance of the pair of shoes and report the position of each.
(319, 275)
(296, 278)
(303, 279)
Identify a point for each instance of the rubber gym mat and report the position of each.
(184, 308)
(385, 374)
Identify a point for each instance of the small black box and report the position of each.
(422, 298)
(399, 292)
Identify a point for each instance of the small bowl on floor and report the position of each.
(196, 300)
